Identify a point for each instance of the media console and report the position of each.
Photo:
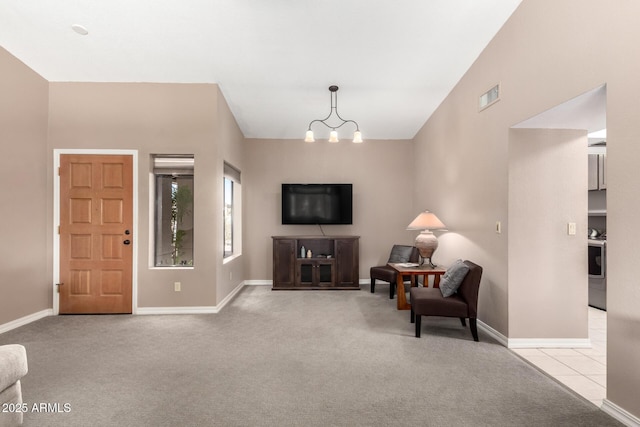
(334, 262)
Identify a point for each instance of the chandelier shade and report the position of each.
(337, 123)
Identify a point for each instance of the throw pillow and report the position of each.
(453, 277)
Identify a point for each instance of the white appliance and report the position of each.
(598, 272)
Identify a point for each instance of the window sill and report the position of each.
(230, 258)
(187, 267)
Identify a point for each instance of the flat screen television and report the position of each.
(317, 204)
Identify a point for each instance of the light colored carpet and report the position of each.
(286, 358)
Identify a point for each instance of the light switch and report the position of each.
(498, 227)
(571, 228)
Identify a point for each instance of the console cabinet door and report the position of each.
(315, 273)
(347, 267)
(284, 261)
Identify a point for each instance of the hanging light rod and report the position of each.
(333, 135)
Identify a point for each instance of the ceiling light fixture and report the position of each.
(79, 29)
(333, 135)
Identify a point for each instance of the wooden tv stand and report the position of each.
(334, 263)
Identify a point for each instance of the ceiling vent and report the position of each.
(489, 98)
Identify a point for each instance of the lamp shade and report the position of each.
(357, 137)
(426, 221)
(333, 136)
(309, 136)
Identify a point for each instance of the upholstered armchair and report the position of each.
(399, 253)
(462, 302)
(13, 366)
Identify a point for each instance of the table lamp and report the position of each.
(426, 242)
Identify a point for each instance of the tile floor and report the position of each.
(584, 370)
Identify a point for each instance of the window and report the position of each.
(232, 206)
(173, 179)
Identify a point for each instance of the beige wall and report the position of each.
(547, 53)
(382, 179)
(156, 119)
(24, 284)
(230, 146)
(547, 266)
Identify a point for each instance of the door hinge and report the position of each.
(58, 170)
(58, 286)
(58, 229)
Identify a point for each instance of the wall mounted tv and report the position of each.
(317, 204)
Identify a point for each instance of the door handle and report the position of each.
(127, 242)
(127, 232)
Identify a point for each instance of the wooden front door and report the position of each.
(96, 244)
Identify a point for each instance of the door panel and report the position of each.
(96, 208)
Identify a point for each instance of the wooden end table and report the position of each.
(412, 272)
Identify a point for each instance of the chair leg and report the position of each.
(462, 320)
(418, 324)
(413, 316)
(474, 329)
(373, 286)
(392, 289)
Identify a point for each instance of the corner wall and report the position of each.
(230, 147)
(24, 283)
(382, 179)
(545, 54)
(153, 119)
(548, 284)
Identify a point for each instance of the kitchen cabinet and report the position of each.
(597, 172)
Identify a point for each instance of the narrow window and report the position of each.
(174, 231)
(232, 216)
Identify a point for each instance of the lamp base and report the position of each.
(427, 243)
(424, 261)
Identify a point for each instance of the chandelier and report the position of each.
(333, 135)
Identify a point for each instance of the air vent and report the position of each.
(489, 98)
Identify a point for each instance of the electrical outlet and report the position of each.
(177, 286)
(571, 228)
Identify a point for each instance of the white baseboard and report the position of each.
(494, 334)
(229, 297)
(177, 310)
(534, 342)
(620, 414)
(270, 282)
(25, 320)
(549, 343)
(191, 310)
(258, 282)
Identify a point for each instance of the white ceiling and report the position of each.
(395, 61)
(587, 111)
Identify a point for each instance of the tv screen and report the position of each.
(316, 203)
